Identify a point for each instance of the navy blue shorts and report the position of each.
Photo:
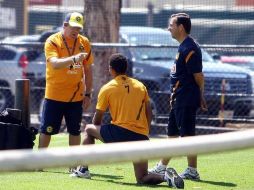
(112, 133)
(53, 113)
(182, 121)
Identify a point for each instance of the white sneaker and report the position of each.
(158, 169)
(191, 174)
(82, 172)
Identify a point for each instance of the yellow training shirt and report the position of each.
(125, 97)
(66, 84)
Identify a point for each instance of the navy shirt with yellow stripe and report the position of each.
(183, 86)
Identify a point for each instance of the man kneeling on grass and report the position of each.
(129, 105)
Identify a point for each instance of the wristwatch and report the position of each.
(88, 95)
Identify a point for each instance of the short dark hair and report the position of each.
(184, 19)
(118, 62)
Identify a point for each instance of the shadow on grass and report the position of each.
(92, 174)
(126, 183)
(53, 172)
(110, 179)
(106, 176)
(219, 183)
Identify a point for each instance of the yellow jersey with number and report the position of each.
(66, 84)
(125, 97)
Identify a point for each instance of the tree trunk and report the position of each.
(102, 20)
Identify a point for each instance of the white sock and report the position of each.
(192, 169)
(162, 165)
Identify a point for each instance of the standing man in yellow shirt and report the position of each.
(68, 80)
(128, 102)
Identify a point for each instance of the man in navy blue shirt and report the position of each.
(187, 90)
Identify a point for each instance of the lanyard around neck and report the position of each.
(67, 47)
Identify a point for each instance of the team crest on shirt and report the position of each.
(49, 129)
(173, 68)
(78, 19)
(177, 55)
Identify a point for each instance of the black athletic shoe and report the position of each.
(173, 179)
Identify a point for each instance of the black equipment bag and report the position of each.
(13, 135)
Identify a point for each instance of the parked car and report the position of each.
(242, 61)
(13, 64)
(22, 38)
(227, 88)
(35, 71)
(151, 66)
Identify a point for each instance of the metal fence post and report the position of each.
(22, 99)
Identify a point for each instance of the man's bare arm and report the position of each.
(97, 118)
(59, 63)
(199, 79)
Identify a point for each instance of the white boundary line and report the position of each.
(20, 160)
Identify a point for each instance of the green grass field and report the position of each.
(229, 171)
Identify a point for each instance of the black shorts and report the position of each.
(113, 133)
(53, 113)
(182, 121)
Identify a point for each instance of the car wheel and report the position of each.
(6, 99)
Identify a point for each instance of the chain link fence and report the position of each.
(223, 32)
(228, 88)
